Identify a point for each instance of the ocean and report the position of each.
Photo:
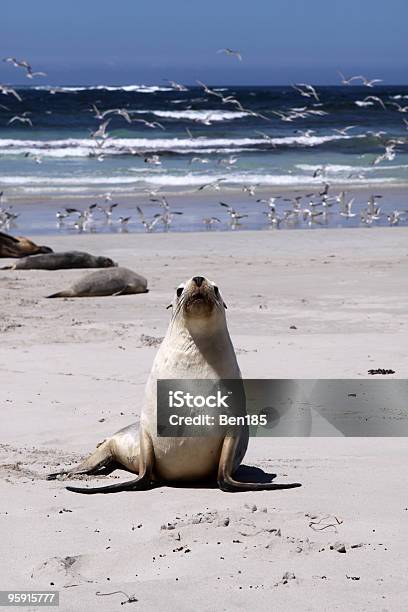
(56, 158)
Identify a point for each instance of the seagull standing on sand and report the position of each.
(231, 52)
(124, 221)
(270, 202)
(209, 221)
(167, 218)
(345, 207)
(395, 217)
(107, 211)
(234, 215)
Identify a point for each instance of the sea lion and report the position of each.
(61, 261)
(114, 281)
(197, 345)
(19, 246)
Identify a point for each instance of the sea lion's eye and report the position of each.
(179, 291)
(216, 291)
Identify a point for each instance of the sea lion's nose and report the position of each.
(198, 280)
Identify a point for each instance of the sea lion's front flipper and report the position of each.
(142, 482)
(226, 482)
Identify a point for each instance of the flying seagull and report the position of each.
(21, 119)
(375, 99)
(365, 81)
(23, 64)
(343, 131)
(150, 124)
(307, 91)
(176, 86)
(9, 90)
(231, 52)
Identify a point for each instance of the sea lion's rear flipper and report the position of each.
(126, 289)
(142, 482)
(122, 291)
(59, 294)
(100, 458)
(226, 482)
(7, 268)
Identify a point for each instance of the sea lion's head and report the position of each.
(105, 262)
(197, 301)
(44, 249)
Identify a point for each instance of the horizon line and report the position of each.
(186, 84)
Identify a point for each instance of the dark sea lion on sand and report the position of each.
(62, 261)
(19, 246)
(115, 281)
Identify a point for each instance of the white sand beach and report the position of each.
(72, 371)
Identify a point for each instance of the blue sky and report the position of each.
(139, 41)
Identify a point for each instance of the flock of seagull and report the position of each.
(101, 137)
(317, 206)
(97, 215)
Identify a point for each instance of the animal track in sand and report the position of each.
(61, 572)
(251, 528)
(150, 340)
(40, 461)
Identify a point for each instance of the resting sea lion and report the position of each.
(114, 281)
(19, 246)
(197, 345)
(61, 261)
